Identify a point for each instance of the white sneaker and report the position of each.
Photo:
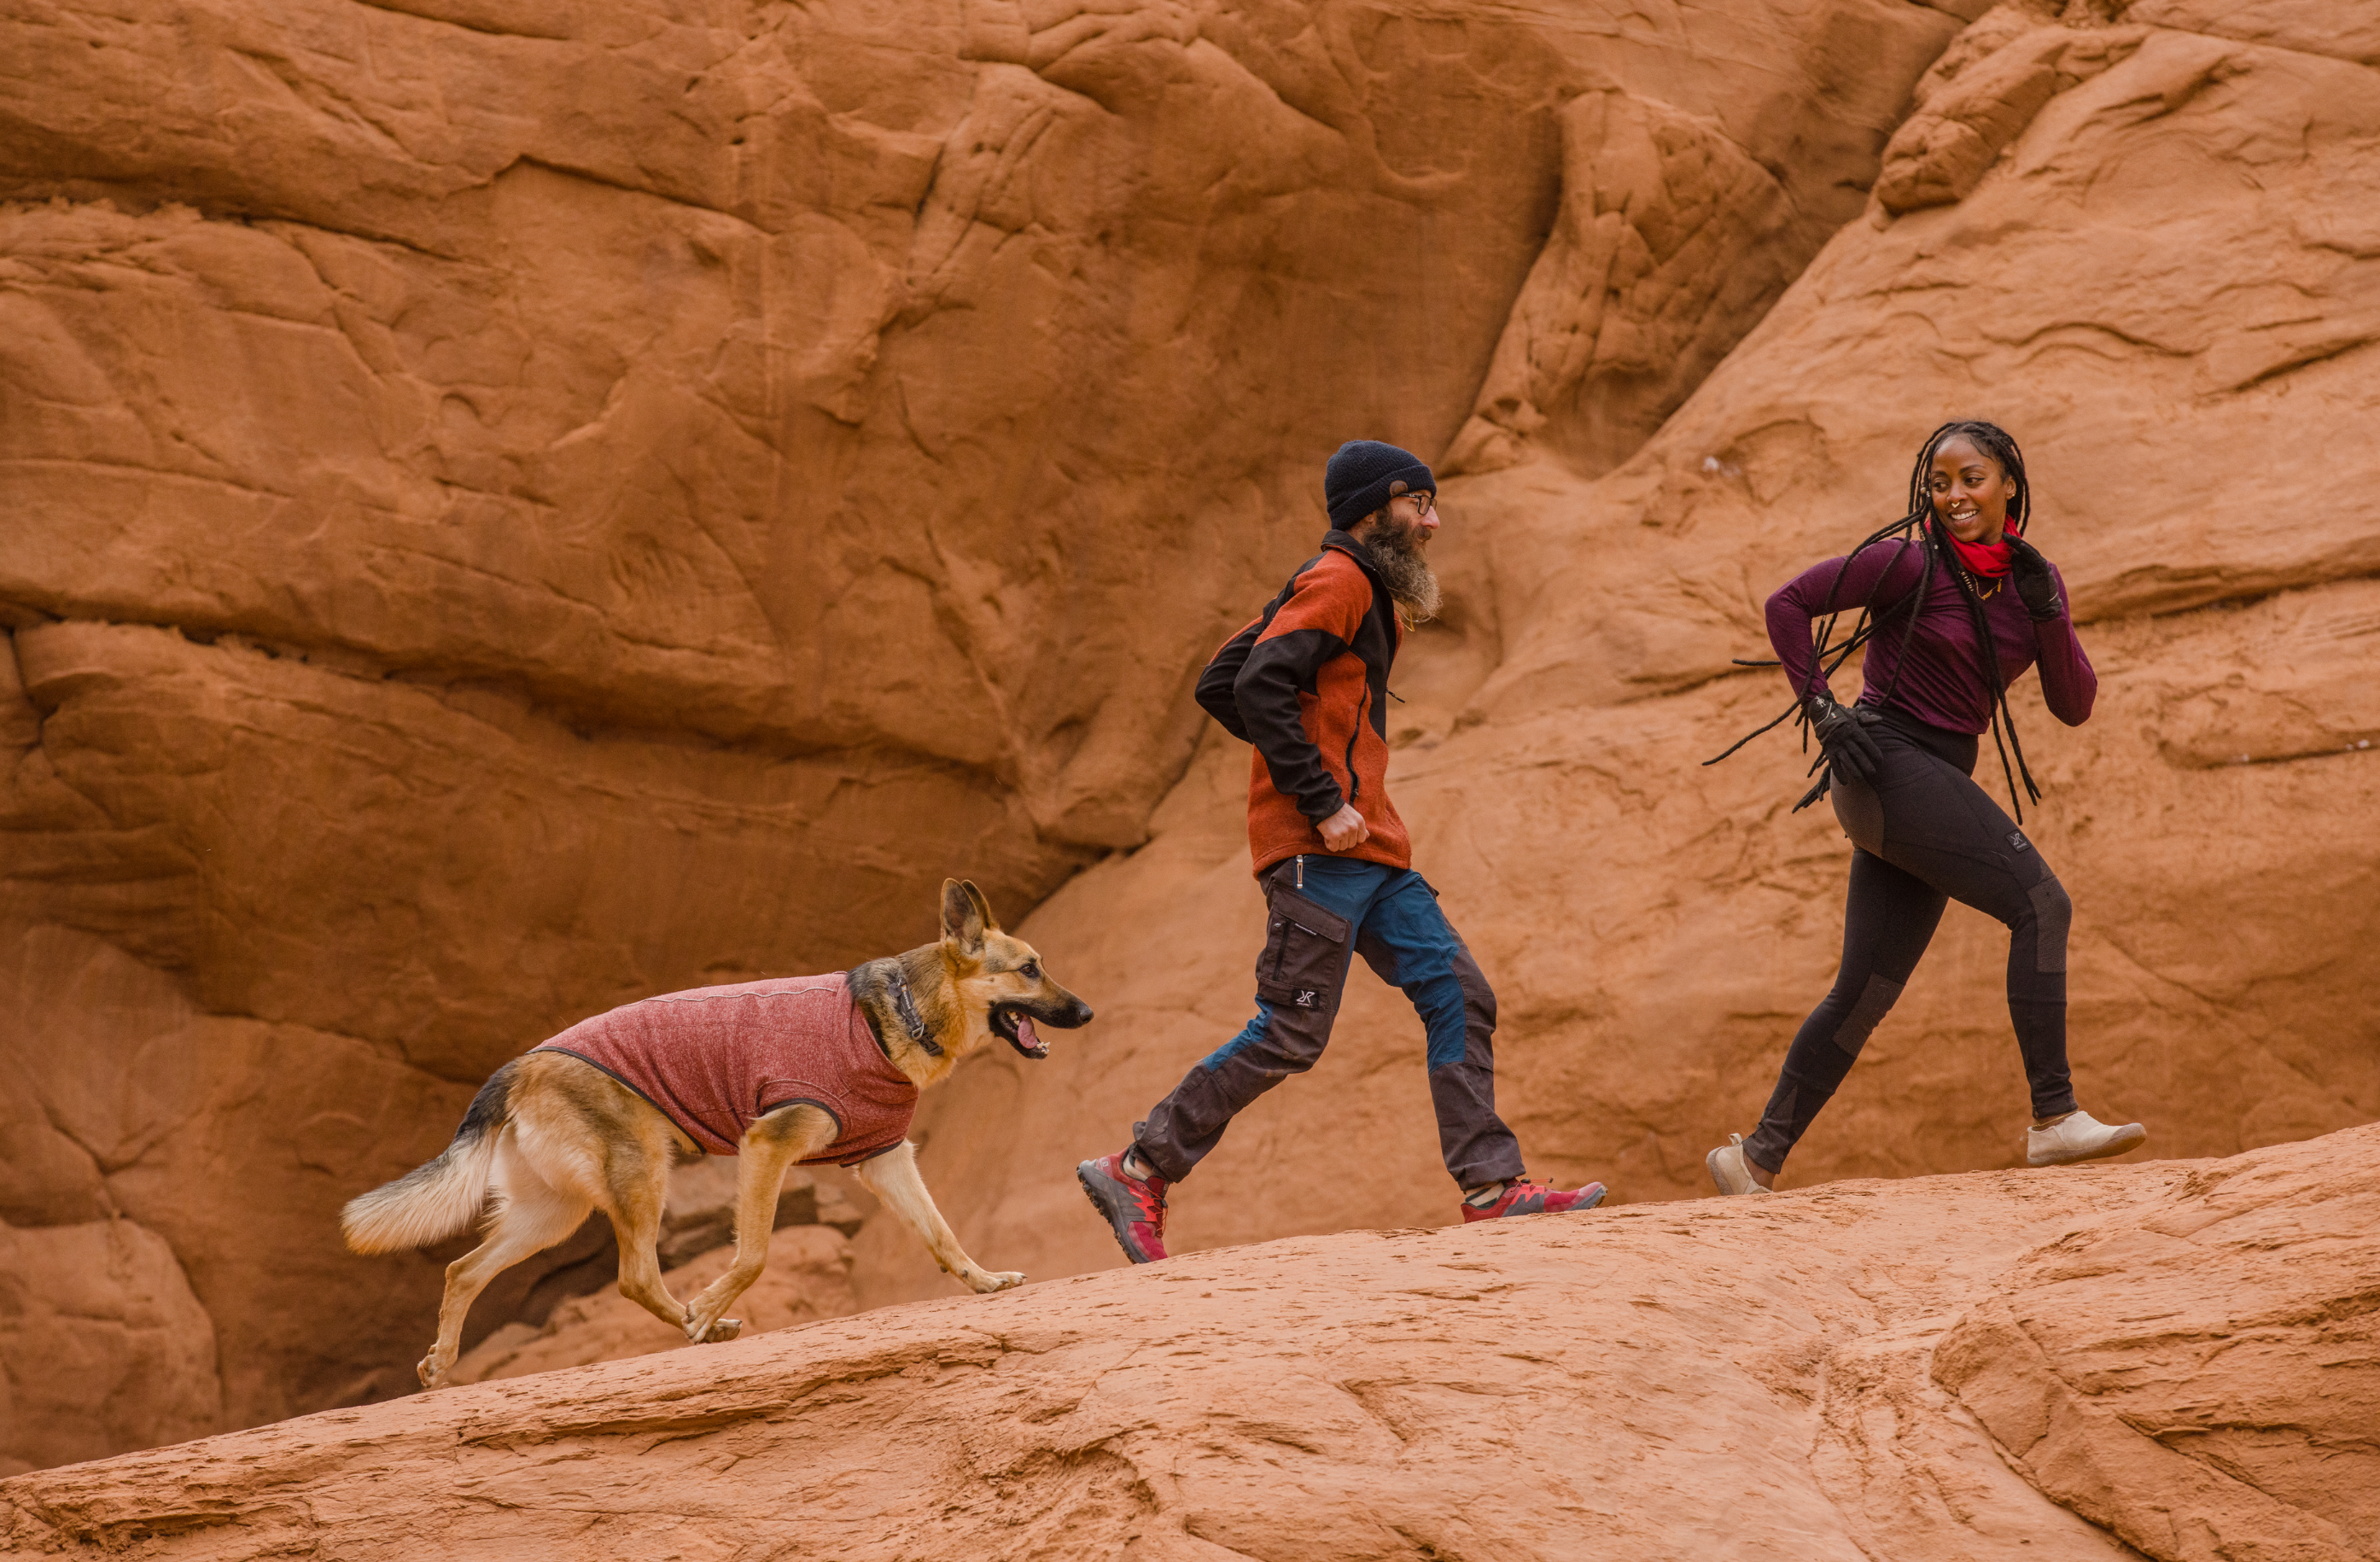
(2078, 1136)
(1730, 1169)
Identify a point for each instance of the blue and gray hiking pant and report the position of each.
(1322, 912)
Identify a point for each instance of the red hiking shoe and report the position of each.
(1134, 1208)
(1533, 1198)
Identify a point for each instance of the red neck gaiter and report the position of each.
(1982, 558)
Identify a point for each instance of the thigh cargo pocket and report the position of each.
(1304, 954)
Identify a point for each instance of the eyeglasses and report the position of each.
(1424, 500)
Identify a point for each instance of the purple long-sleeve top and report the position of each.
(1939, 679)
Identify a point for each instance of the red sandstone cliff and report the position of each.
(510, 508)
(2166, 280)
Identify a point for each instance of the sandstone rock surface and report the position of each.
(809, 1277)
(513, 508)
(516, 507)
(1817, 1375)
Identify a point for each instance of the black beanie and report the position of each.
(1356, 482)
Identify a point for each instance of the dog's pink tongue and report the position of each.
(1025, 1033)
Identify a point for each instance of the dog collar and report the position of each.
(906, 1005)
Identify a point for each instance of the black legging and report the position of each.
(1924, 834)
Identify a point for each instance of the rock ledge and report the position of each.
(2175, 1359)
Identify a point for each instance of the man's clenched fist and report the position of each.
(1344, 831)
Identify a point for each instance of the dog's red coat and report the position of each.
(713, 1059)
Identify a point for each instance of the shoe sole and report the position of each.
(2119, 1146)
(1120, 1230)
(1601, 1192)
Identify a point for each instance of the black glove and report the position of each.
(1842, 732)
(2033, 581)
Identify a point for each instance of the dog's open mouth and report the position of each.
(1015, 1027)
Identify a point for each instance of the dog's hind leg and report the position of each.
(531, 1216)
(894, 1178)
(636, 1178)
(589, 1132)
(770, 1145)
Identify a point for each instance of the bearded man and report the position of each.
(1307, 684)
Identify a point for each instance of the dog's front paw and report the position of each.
(432, 1371)
(986, 1281)
(715, 1332)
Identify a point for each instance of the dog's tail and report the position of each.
(434, 1200)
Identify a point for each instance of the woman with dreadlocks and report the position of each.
(1935, 589)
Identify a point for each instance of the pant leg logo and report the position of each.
(2017, 841)
(1306, 998)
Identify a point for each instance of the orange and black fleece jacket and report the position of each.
(1307, 684)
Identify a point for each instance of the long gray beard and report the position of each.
(1407, 574)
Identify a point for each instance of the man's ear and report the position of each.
(967, 917)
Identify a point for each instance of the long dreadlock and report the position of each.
(1918, 525)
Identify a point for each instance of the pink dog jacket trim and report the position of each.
(712, 1060)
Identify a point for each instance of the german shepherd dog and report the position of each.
(553, 1136)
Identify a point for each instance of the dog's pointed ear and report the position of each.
(982, 905)
(967, 918)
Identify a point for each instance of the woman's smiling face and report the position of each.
(1971, 493)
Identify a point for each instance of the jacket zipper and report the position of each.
(1354, 782)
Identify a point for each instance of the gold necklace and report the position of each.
(1975, 583)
